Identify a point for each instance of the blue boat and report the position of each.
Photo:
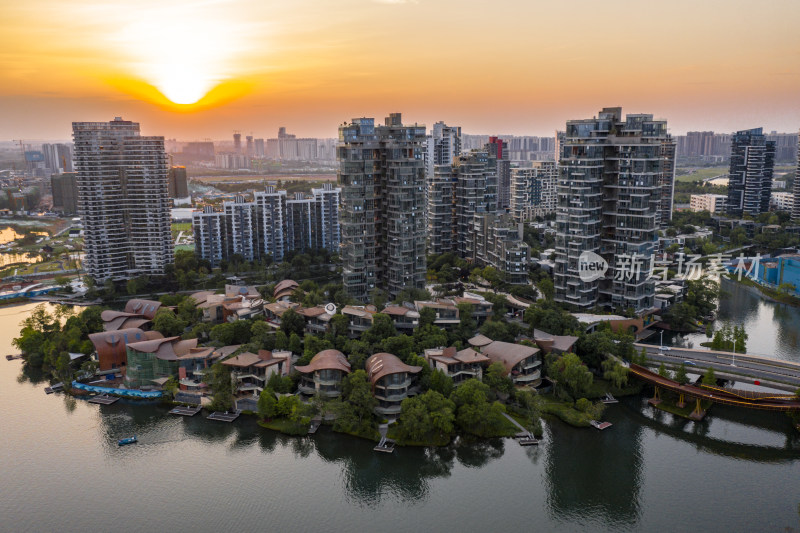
(129, 440)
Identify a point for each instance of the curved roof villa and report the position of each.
(392, 381)
(324, 373)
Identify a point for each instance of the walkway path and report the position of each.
(510, 419)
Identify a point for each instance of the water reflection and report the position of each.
(595, 476)
(773, 329)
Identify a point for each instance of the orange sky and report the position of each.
(508, 66)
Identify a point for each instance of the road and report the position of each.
(779, 374)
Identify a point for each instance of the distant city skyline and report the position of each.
(519, 68)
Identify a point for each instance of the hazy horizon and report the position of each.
(517, 67)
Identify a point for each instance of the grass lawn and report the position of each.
(181, 226)
(284, 425)
(565, 411)
(702, 173)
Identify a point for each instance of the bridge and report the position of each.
(775, 373)
(725, 396)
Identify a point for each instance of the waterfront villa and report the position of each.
(391, 380)
(458, 365)
(446, 312)
(153, 362)
(317, 318)
(239, 302)
(556, 344)
(137, 314)
(284, 289)
(522, 363)
(359, 319)
(405, 319)
(252, 371)
(111, 346)
(274, 311)
(324, 373)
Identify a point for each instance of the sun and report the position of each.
(184, 53)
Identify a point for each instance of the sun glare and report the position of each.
(184, 53)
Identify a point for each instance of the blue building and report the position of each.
(779, 270)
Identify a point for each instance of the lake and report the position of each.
(62, 470)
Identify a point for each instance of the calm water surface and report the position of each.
(61, 469)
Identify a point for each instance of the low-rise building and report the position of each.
(713, 203)
(405, 320)
(324, 374)
(392, 381)
(317, 318)
(446, 312)
(359, 319)
(111, 346)
(252, 371)
(523, 364)
(782, 201)
(457, 365)
(284, 289)
(152, 362)
(783, 270)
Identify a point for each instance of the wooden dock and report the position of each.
(600, 425)
(385, 446)
(54, 388)
(315, 424)
(609, 399)
(223, 417)
(185, 411)
(104, 399)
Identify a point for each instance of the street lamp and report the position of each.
(733, 362)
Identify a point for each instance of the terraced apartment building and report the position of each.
(612, 174)
(382, 217)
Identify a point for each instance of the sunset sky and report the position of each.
(508, 66)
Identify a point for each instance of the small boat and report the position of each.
(129, 440)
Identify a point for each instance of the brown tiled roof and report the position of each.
(508, 354)
(283, 286)
(549, 342)
(243, 360)
(115, 320)
(166, 349)
(326, 360)
(468, 355)
(146, 308)
(198, 353)
(201, 296)
(479, 341)
(311, 312)
(225, 351)
(383, 364)
(395, 310)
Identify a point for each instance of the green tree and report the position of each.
(615, 373)
(400, 345)
(223, 333)
(281, 341)
(222, 386)
(709, 378)
(680, 375)
(267, 404)
(663, 372)
(427, 415)
(570, 374)
(279, 384)
(295, 344)
(382, 328)
(427, 316)
(497, 379)
(441, 383)
(293, 322)
(168, 324)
